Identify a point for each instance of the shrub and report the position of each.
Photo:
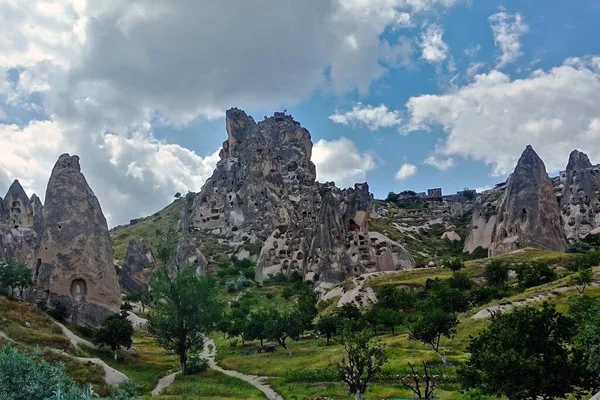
(534, 273)
(197, 364)
(58, 311)
(496, 272)
(454, 264)
(480, 295)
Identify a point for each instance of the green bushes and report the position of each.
(196, 364)
(534, 273)
(235, 285)
(496, 272)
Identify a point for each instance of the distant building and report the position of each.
(435, 193)
(500, 187)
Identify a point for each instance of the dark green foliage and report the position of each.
(496, 272)
(392, 197)
(581, 279)
(527, 354)
(284, 325)
(454, 264)
(197, 364)
(361, 363)
(287, 292)
(534, 273)
(460, 281)
(431, 326)
(584, 261)
(483, 294)
(593, 240)
(396, 298)
(381, 317)
(479, 252)
(256, 325)
(328, 325)
(236, 285)
(58, 311)
(579, 247)
(186, 308)
(15, 276)
(165, 245)
(116, 333)
(439, 294)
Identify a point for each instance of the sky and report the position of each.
(404, 94)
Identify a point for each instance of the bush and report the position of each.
(197, 364)
(496, 272)
(58, 311)
(584, 261)
(454, 264)
(579, 247)
(534, 273)
(127, 390)
(480, 295)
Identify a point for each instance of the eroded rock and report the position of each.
(139, 265)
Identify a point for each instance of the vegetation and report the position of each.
(186, 308)
(15, 276)
(116, 333)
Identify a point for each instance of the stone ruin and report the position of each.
(65, 243)
(264, 190)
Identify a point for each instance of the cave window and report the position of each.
(78, 289)
(524, 214)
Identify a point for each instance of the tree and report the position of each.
(285, 325)
(15, 276)
(581, 280)
(419, 380)
(256, 327)
(388, 318)
(186, 308)
(396, 298)
(527, 354)
(431, 326)
(328, 325)
(392, 197)
(593, 240)
(165, 246)
(116, 333)
(496, 272)
(306, 305)
(534, 273)
(361, 363)
(454, 264)
(287, 292)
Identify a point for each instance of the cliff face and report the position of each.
(75, 254)
(139, 264)
(481, 228)
(529, 214)
(264, 191)
(580, 202)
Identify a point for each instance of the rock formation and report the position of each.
(529, 214)
(139, 264)
(75, 257)
(18, 206)
(481, 229)
(580, 202)
(264, 191)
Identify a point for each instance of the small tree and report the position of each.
(283, 326)
(166, 245)
(256, 328)
(328, 325)
(117, 333)
(534, 273)
(431, 326)
(581, 280)
(186, 308)
(15, 276)
(496, 272)
(454, 264)
(424, 384)
(361, 363)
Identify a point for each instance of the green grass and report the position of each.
(14, 314)
(145, 229)
(150, 363)
(210, 384)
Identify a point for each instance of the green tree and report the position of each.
(362, 361)
(256, 327)
(15, 276)
(165, 245)
(496, 272)
(186, 308)
(387, 318)
(396, 298)
(431, 326)
(527, 354)
(392, 197)
(593, 240)
(581, 280)
(454, 264)
(285, 325)
(534, 273)
(588, 339)
(328, 325)
(287, 292)
(116, 333)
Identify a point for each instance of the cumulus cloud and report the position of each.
(101, 76)
(406, 171)
(440, 163)
(508, 29)
(370, 116)
(433, 48)
(495, 117)
(340, 161)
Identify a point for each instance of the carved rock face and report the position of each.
(529, 214)
(264, 191)
(580, 202)
(18, 208)
(75, 253)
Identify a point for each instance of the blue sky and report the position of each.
(406, 94)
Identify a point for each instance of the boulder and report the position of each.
(529, 214)
(75, 252)
(139, 264)
(451, 236)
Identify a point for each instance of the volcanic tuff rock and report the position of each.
(264, 191)
(139, 264)
(483, 222)
(75, 256)
(580, 202)
(18, 206)
(529, 214)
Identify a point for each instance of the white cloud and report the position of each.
(369, 116)
(494, 118)
(433, 48)
(109, 72)
(508, 29)
(472, 51)
(474, 68)
(406, 171)
(441, 164)
(342, 162)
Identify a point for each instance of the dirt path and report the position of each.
(502, 308)
(73, 338)
(164, 383)
(210, 352)
(111, 375)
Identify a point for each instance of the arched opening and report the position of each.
(78, 289)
